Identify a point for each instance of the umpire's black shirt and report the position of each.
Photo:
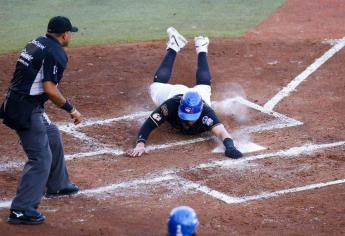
(43, 59)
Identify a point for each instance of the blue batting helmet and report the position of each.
(190, 107)
(182, 221)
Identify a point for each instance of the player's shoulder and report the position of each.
(177, 98)
(174, 101)
(207, 107)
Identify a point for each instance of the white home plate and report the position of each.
(244, 147)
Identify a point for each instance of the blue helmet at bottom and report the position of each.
(182, 221)
(190, 106)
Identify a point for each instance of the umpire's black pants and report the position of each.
(46, 168)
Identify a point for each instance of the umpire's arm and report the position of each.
(58, 99)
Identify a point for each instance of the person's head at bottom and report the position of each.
(190, 108)
(182, 221)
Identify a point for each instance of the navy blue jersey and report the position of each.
(43, 59)
(168, 111)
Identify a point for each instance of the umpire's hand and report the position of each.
(76, 116)
(138, 150)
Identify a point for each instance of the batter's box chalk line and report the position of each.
(281, 121)
(172, 175)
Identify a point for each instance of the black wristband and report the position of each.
(67, 106)
(141, 141)
(228, 143)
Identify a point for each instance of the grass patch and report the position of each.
(107, 21)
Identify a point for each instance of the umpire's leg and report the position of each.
(36, 171)
(58, 177)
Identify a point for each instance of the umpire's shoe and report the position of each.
(71, 188)
(29, 217)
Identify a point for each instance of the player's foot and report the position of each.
(25, 217)
(70, 189)
(176, 40)
(201, 44)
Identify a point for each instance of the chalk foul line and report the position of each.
(304, 75)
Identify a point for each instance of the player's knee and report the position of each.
(162, 76)
(203, 77)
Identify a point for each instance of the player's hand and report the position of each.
(137, 151)
(76, 116)
(232, 152)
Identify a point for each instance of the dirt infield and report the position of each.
(295, 186)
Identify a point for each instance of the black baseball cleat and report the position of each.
(29, 217)
(71, 189)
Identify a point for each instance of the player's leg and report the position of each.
(160, 89)
(203, 75)
(175, 43)
(164, 71)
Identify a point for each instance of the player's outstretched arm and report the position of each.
(143, 135)
(230, 149)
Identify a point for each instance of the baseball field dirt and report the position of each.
(289, 72)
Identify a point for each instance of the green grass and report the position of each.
(106, 21)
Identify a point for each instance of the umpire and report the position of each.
(39, 70)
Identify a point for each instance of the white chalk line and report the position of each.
(304, 75)
(276, 124)
(91, 122)
(111, 188)
(67, 127)
(5, 204)
(171, 174)
(11, 165)
(262, 109)
(80, 135)
(129, 184)
(102, 149)
(208, 191)
(291, 152)
(266, 195)
(283, 122)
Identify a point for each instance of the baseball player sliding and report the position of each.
(187, 109)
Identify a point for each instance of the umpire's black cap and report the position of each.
(60, 24)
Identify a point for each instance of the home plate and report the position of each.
(244, 147)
